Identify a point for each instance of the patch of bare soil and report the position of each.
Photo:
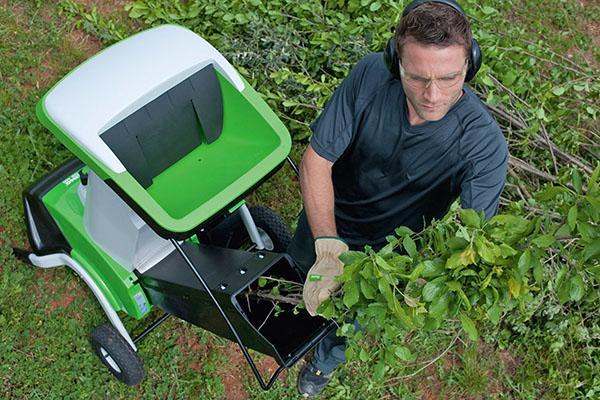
(191, 347)
(57, 296)
(87, 43)
(509, 362)
(104, 6)
(236, 371)
(45, 73)
(232, 373)
(430, 385)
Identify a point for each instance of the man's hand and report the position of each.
(320, 281)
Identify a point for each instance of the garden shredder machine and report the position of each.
(169, 140)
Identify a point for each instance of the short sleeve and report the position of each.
(333, 128)
(485, 176)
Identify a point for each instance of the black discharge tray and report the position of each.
(174, 288)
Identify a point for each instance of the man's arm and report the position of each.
(484, 180)
(317, 192)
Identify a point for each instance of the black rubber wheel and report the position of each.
(116, 354)
(273, 230)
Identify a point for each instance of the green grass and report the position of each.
(45, 316)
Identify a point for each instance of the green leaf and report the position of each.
(404, 353)
(326, 309)
(487, 10)
(467, 257)
(439, 307)
(572, 217)
(433, 288)
(416, 273)
(383, 264)
(433, 268)
(558, 90)
(509, 78)
(469, 327)
(411, 301)
(351, 294)
(457, 243)
(514, 287)
(591, 250)
(588, 232)
(494, 313)
(577, 289)
(363, 355)
(576, 176)
(379, 370)
(487, 280)
(386, 290)
(454, 261)
(507, 251)
(367, 270)
(403, 231)
(550, 193)
(524, 262)
(464, 299)
(563, 291)
(377, 311)
(484, 249)
(486, 80)
(352, 256)
(347, 329)
(593, 182)
(409, 246)
(262, 282)
(544, 241)
(470, 218)
(538, 272)
(367, 290)
(541, 114)
(454, 285)
(375, 6)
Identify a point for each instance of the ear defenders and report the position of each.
(391, 58)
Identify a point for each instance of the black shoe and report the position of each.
(311, 381)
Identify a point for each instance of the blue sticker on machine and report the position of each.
(140, 299)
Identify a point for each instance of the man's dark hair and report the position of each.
(434, 24)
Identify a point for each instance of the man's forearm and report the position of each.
(317, 193)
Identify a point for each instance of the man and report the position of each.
(387, 152)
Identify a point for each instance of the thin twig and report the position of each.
(543, 128)
(295, 300)
(522, 190)
(428, 364)
(281, 280)
(520, 164)
(267, 317)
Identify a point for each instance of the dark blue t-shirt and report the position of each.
(387, 173)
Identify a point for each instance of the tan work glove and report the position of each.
(320, 281)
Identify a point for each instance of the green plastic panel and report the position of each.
(118, 285)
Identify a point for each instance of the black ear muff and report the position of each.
(391, 58)
(475, 60)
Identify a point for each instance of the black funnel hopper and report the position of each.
(229, 273)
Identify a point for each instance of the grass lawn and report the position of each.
(46, 315)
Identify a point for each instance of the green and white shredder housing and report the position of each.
(168, 140)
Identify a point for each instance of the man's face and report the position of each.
(432, 78)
